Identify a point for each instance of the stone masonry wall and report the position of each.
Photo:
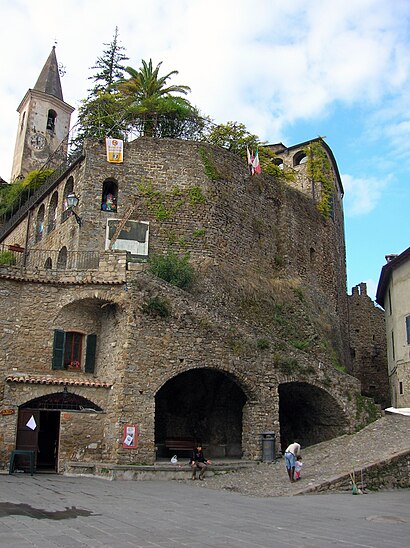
(368, 343)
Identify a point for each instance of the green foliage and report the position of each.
(152, 105)
(157, 307)
(278, 316)
(301, 345)
(233, 136)
(366, 411)
(210, 170)
(7, 258)
(13, 196)
(199, 232)
(196, 196)
(288, 366)
(262, 344)
(173, 269)
(109, 66)
(319, 169)
(156, 202)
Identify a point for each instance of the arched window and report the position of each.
(51, 119)
(299, 159)
(278, 162)
(109, 195)
(69, 187)
(62, 259)
(52, 213)
(48, 265)
(40, 223)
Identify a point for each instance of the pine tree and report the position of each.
(109, 67)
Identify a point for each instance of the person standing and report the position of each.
(292, 451)
(198, 461)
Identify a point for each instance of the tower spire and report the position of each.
(49, 79)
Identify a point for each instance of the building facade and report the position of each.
(103, 361)
(393, 294)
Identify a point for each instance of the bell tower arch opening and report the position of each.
(200, 406)
(309, 414)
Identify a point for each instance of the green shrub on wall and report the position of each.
(173, 269)
(319, 169)
(7, 258)
(156, 307)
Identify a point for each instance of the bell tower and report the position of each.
(44, 123)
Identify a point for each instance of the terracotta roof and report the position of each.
(35, 379)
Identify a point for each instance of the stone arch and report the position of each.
(201, 405)
(309, 414)
(40, 222)
(62, 258)
(109, 195)
(52, 213)
(63, 400)
(299, 158)
(68, 189)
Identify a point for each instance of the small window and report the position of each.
(48, 265)
(408, 329)
(23, 118)
(109, 195)
(51, 119)
(68, 351)
(52, 213)
(401, 392)
(62, 258)
(40, 223)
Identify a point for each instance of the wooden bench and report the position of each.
(179, 444)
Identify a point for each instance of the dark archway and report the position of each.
(200, 406)
(309, 414)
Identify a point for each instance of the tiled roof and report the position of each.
(35, 379)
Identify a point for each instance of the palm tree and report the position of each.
(148, 95)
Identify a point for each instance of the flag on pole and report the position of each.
(250, 161)
(256, 164)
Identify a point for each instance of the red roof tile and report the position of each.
(33, 379)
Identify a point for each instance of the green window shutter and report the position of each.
(58, 349)
(408, 329)
(90, 353)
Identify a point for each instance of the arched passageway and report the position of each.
(309, 414)
(200, 406)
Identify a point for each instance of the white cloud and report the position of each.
(281, 63)
(362, 194)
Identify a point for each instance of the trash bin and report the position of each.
(268, 446)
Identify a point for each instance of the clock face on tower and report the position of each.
(37, 141)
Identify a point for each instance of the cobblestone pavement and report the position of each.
(321, 462)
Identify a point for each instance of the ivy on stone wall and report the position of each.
(163, 205)
(319, 169)
(209, 167)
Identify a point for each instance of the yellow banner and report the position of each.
(114, 150)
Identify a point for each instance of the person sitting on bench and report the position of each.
(198, 461)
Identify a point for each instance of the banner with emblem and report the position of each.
(114, 150)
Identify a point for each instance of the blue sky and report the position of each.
(290, 71)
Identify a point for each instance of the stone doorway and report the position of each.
(309, 414)
(200, 406)
(38, 426)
